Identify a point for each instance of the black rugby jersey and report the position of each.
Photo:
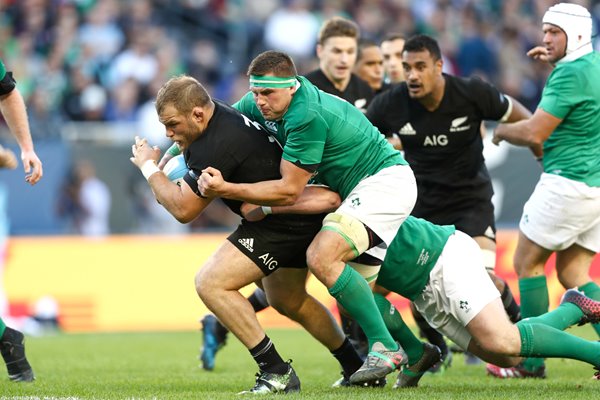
(242, 150)
(357, 93)
(443, 147)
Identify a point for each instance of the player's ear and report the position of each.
(440, 63)
(198, 114)
(319, 50)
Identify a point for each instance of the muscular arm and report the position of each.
(313, 200)
(180, 201)
(12, 107)
(531, 132)
(519, 113)
(280, 192)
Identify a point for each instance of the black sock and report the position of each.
(267, 357)
(427, 332)
(258, 300)
(348, 358)
(510, 304)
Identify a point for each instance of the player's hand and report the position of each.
(252, 212)
(143, 152)
(164, 160)
(211, 182)
(538, 53)
(496, 140)
(7, 159)
(32, 166)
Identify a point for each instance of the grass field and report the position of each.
(165, 366)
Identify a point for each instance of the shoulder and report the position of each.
(395, 95)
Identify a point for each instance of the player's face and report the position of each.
(555, 42)
(273, 102)
(422, 73)
(370, 67)
(181, 129)
(337, 57)
(392, 59)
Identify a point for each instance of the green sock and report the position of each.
(534, 296)
(592, 290)
(399, 330)
(354, 294)
(2, 327)
(562, 317)
(538, 340)
(534, 302)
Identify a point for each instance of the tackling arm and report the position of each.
(315, 199)
(280, 192)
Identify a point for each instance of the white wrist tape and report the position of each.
(149, 168)
(266, 210)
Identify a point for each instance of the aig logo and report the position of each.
(269, 261)
(435, 140)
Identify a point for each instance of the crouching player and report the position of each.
(441, 271)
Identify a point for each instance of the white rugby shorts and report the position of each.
(459, 288)
(382, 202)
(561, 212)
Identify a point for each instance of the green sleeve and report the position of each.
(560, 93)
(2, 70)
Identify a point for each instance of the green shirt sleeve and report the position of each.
(560, 94)
(306, 142)
(2, 70)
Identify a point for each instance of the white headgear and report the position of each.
(576, 22)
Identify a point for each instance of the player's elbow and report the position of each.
(183, 215)
(332, 201)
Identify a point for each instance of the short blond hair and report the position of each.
(182, 92)
(338, 27)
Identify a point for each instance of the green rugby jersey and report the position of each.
(572, 93)
(322, 130)
(412, 255)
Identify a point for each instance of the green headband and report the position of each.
(272, 81)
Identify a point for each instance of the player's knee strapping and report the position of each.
(351, 229)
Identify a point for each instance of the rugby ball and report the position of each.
(175, 169)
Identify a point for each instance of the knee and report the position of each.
(507, 345)
(316, 261)
(289, 306)
(567, 279)
(204, 283)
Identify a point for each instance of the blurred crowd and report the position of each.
(103, 60)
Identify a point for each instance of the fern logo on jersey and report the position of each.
(457, 124)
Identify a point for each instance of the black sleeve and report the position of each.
(377, 115)
(491, 103)
(7, 84)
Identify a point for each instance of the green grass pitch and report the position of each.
(165, 366)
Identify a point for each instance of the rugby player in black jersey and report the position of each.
(271, 251)
(438, 119)
(337, 49)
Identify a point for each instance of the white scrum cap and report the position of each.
(574, 20)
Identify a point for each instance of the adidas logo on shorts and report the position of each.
(247, 243)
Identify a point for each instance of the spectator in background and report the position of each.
(293, 29)
(86, 201)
